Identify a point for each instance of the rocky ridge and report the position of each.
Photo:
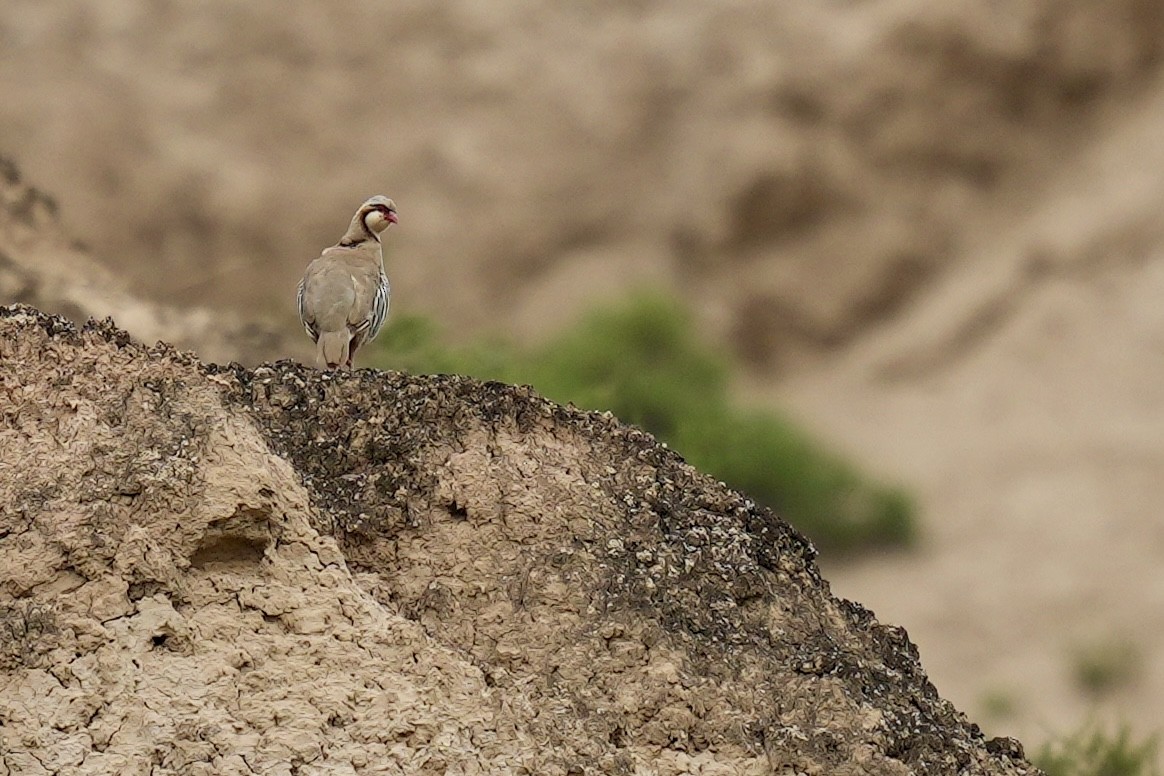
(208, 569)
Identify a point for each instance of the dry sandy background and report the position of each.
(932, 231)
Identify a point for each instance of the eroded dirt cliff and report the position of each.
(41, 265)
(211, 570)
(802, 172)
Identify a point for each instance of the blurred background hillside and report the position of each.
(930, 232)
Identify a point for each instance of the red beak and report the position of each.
(391, 216)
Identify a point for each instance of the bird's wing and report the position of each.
(330, 294)
(362, 264)
(368, 313)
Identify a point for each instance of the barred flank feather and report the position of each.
(380, 306)
(308, 327)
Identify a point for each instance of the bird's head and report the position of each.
(377, 214)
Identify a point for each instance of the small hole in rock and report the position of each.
(140, 590)
(159, 639)
(228, 549)
(458, 511)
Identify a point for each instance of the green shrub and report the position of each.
(998, 704)
(1103, 666)
(1091, 751)
(643, 361)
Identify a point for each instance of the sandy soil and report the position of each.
(932, 231)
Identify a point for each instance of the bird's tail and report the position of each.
(332, 349)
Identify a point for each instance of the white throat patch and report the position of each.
(376, 222)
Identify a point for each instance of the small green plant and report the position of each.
(999, 704)
(1106, 665)
(1091, 751)
(643, 361)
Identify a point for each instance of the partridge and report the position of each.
(343, 297)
